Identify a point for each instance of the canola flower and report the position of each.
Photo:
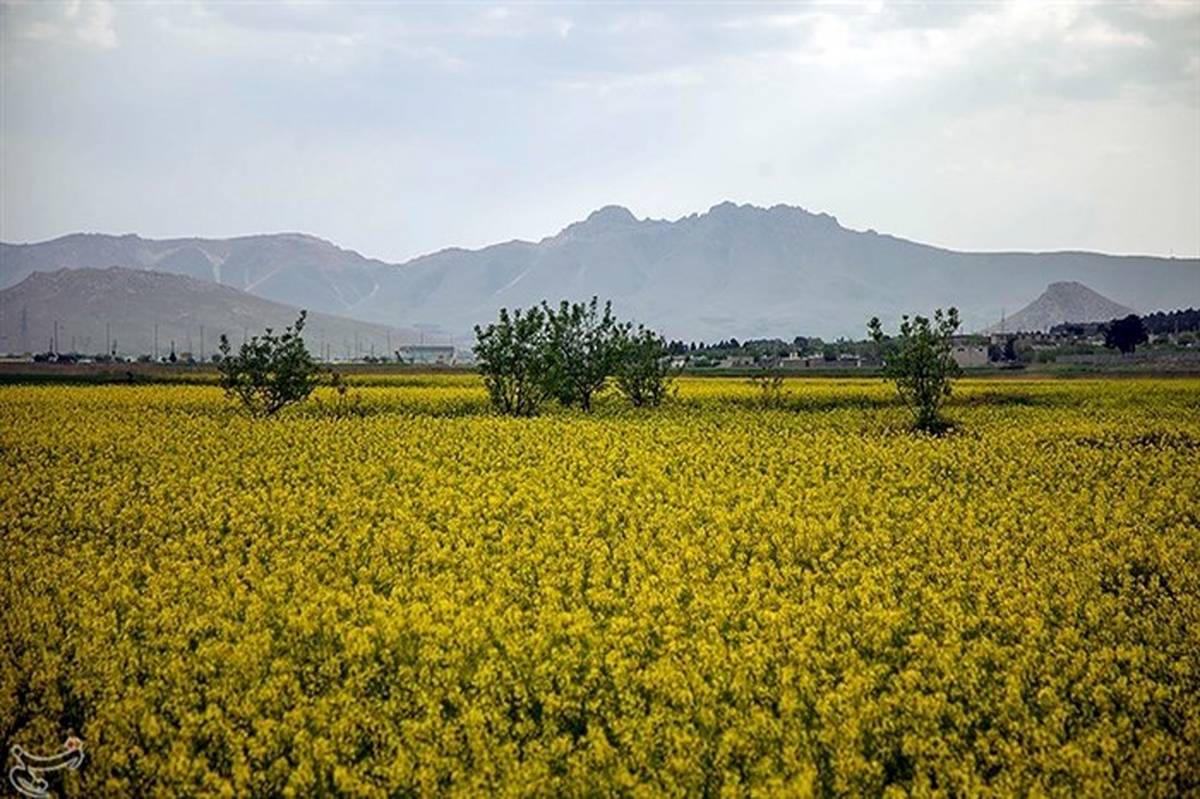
(417, 598)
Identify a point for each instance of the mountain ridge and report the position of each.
(735, 269)
(91, 306)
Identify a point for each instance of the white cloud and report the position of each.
(677, 78)
(1168, 9)
(545, 109)
(1098, 34)
(83, 22)
(315, 38)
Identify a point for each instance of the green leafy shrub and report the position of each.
(920, 362)
(643, 367)
(582, 348)
(512, 358)
(269, 372)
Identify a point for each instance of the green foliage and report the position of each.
(1125, 334)
(920, 363)
(569, 353)
(270, 371)
(583, 345)
(512, 355)
(643, 367)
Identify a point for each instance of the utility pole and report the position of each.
(201, 343)
(108, 338)
(156, 342)
(55, 337)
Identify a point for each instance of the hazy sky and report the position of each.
(399, 128)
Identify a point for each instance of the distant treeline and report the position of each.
(767, 347)
(1157, 323)
(1163, 322)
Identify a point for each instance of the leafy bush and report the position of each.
(920, 363)
(583, 345)
(512, 356)
(568, 353)
(643, 368)
(269, 372)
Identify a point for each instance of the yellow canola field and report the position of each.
(411, 597)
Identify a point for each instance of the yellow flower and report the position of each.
(707, 599)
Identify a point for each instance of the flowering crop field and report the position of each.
(410, 596)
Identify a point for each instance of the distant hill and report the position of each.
(1061, 302)
(291, 268)
(131, 302)
(736, 270)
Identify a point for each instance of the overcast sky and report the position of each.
(397, 129)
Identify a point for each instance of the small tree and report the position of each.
(643, 367)
(582, 347)
(269, 372)
(1125, 334)
(512, 358)
(920, 363)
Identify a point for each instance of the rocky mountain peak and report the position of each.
(1061, 302)
(611, 215)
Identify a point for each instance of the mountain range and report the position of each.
(290, 268)
(145, 311)
(736, 270)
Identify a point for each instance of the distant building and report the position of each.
(968, 355)
(427, 355)
(1077, 330)
(844, 361)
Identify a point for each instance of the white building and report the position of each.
(968, 355)
(426, 354)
